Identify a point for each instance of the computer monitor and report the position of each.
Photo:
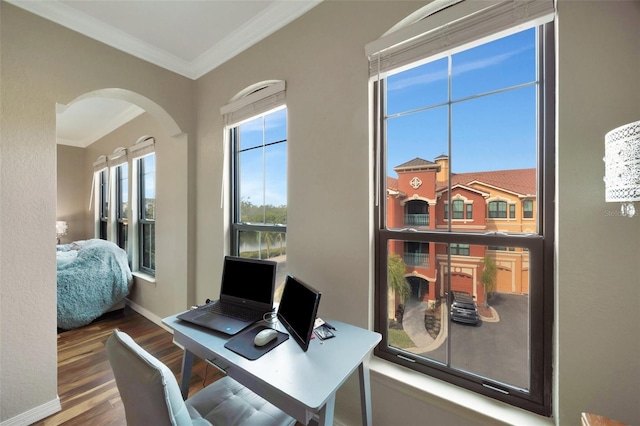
(298, 309)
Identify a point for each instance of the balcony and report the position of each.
(416, 219)
(416, 259)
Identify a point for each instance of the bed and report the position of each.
(93, 278)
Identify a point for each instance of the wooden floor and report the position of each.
(86, 387)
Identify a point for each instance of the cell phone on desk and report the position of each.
(323, 332)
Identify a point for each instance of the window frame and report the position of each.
(121, 222)
(460, 211)
(497, 213)
(237, 226)
(143, 222)
(539, 245)
(527, 213)
(103, 204)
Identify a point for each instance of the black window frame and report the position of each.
(103, 204)
(146, 226)
(237, 225)
(122, 222)
(539, 245)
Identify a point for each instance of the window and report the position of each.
(258, 142)
(103, 204)
(512, 211)
(147, 214)
(472, 104)
(119, 196)
(459, 249)
(469, 211)
(458, 209)
(122, 205)
(100, 188)
(143, 186)
(527, 208)
(498, 209)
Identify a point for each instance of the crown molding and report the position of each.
(274, 17)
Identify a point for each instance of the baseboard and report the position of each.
(147, 314)
(35, 414)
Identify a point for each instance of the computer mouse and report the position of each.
(265, 336)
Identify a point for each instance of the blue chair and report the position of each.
(151, 395)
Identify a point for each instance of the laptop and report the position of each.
(246, 294)
(298, 309)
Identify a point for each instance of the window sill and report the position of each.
(146, 278)
(448, 397)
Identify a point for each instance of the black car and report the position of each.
(463, 308)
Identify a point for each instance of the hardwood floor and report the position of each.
(86, 387)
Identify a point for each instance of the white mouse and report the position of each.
(265, 336)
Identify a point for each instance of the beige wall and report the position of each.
(167, 293)
(597, 281)
(44, 64)
(72, 197)
(321, 57)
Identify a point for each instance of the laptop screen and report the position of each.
(249, 280)
(298, 309)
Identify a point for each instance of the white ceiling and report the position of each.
(187, 37)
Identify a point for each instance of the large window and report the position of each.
(103, 204)
(474, 120)
(122, 205)
(147, 213)
(258, 141)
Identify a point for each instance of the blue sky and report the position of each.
(488, 133)
(268, 164)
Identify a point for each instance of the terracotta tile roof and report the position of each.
(392, 183)
(416, 163)
(520, 181)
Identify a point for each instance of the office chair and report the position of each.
(151, 395)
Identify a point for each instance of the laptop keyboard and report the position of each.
(233, 311)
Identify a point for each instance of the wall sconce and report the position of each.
(622, 167)
(61, 229)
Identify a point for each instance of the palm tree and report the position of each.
(488, 278)
(396, 280)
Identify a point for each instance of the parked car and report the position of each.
(463, 308)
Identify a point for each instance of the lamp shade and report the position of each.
(622, 163)
(61, 227)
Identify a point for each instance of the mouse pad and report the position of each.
(242, 344)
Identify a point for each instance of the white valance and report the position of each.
(255, 103)
(455, 25)
(100, 164)
(144, 146)
(118, 157)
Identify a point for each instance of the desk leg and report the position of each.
(365, 393)
(325, 415)
(187, 363)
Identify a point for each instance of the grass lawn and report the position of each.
(400, 339)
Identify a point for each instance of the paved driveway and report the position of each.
(498, 350)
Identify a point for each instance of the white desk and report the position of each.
(300, 383)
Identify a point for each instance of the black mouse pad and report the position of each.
(242, 344)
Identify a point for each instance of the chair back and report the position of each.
(148, 388)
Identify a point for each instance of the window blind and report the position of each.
(144, 146)
(118, 157)
(100, 164)
(258, 102)
(452, 27)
